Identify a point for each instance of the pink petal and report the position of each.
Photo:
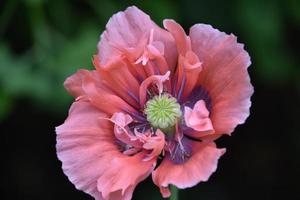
(91, 158)
(122, 131)
(199, 167)
(127, 30)
(224, 76)
(182, 40)
(119, 79)
(155, 79)
(193, 68)
(198, 117)
(123, 174)
(73, 83)
(156, 144)
(86, 85)
(187, 74)
(189, 65)
(81, 145)
(151, 51)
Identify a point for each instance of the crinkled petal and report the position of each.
(92, 159)
(189, 66)
(224, 76)
(155, 144)
(155, 79)
(183, 42)
(127, 30)
(86, 85)
(123, 174)
(187, 74)
(202, 163)
(119, 79)
(193, 68)
(81, 145)
(122, 132)
(198, 117)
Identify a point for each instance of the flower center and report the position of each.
(162, 111)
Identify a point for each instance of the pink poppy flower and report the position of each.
(155, 94)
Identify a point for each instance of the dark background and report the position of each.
(43, 42)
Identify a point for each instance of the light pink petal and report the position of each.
(92, 159)
(151, 51)
(224, 76)
(154, 143)
(156, 49)
(122, 132)
(128, 30)
(198, 117)
(81, 145)
(155, 61)
(123, 174)
(121, 119)
(155, 79)
(202, 163)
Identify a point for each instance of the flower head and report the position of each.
(154, 94)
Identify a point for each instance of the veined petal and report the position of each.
(86, 85)
(199, 167)
(189, 66)
(126, 30)
(187, 74)
(183, 42)
(82, 145)
(155, 144)
(119, 79)
(193, 68)
(155, 79)
(198, 117)
(123, 174)
(92, 159)
(121, 130)
(224, 76)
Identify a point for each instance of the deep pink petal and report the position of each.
(128, 30)
(187, 74)
(119, 79)
(199, 167)
(224, 76)
(189, 66)
(86, 85)
(193, 68)
(183, 42)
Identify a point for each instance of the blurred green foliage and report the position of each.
(43, 42)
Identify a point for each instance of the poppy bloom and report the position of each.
(155, 95)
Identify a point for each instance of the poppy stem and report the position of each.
(174, 193)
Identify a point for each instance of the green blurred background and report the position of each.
(42, 42)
